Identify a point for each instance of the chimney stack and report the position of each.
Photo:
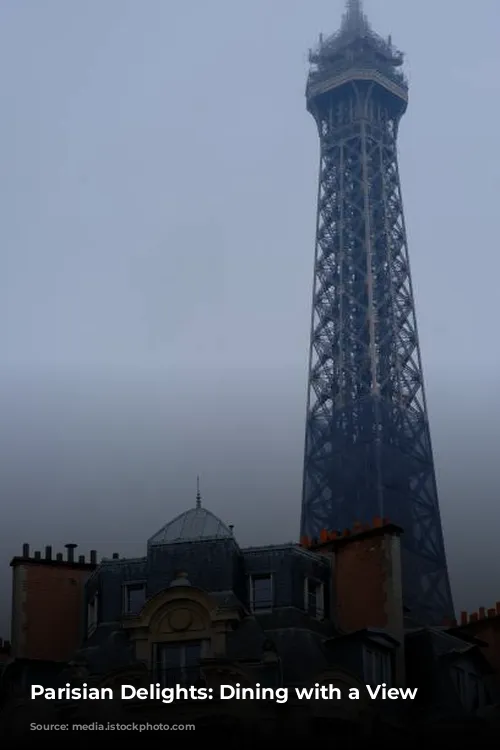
(93, 557)
(71, 551)
(26, 550)
(48, 552)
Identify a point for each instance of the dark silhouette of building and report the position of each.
(199, 610)
(367, 448)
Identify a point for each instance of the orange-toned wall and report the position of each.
(48, 613)
(361, 570)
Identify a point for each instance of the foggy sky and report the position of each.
(157, 209)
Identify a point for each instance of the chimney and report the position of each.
(367, 586)
(48, 552)
(93, 557)
(26, 550)
(71, 551)
(59, 557)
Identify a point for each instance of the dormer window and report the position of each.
(314, 599)
(261, 592)
(134, 598)
(377, 667)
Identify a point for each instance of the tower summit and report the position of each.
(367, 447)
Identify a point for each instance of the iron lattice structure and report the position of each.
(367, 449)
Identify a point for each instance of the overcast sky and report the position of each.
(157, 210)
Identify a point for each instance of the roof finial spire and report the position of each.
(198, 496)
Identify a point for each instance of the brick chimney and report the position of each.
(47, 601)
(367, 585)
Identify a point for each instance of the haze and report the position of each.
(158, 187)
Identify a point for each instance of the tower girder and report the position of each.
(367, 448)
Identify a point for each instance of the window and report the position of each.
(314, 603)
(261, 592)
(178, 663)
(377, 667)
(134, 598)
(92, 614)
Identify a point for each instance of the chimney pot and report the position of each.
(48, 552)
(71, 551)
(116, 556)
(59, 557)
(26, 550)
(81, 558)
(93, 557)
(38, 555)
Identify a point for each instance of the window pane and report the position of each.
(135, 597)
(314, 604)
(261, 592)
(178, 664)
(171, 656)
(192, 654)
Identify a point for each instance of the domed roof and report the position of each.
(193, 525)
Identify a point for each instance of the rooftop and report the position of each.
(193, 525)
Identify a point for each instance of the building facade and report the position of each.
(200, 610)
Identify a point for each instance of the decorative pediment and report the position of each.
(179, 597)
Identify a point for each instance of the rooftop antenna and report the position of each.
(354, 18)
(198, 496)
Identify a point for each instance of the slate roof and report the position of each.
(193, 525)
